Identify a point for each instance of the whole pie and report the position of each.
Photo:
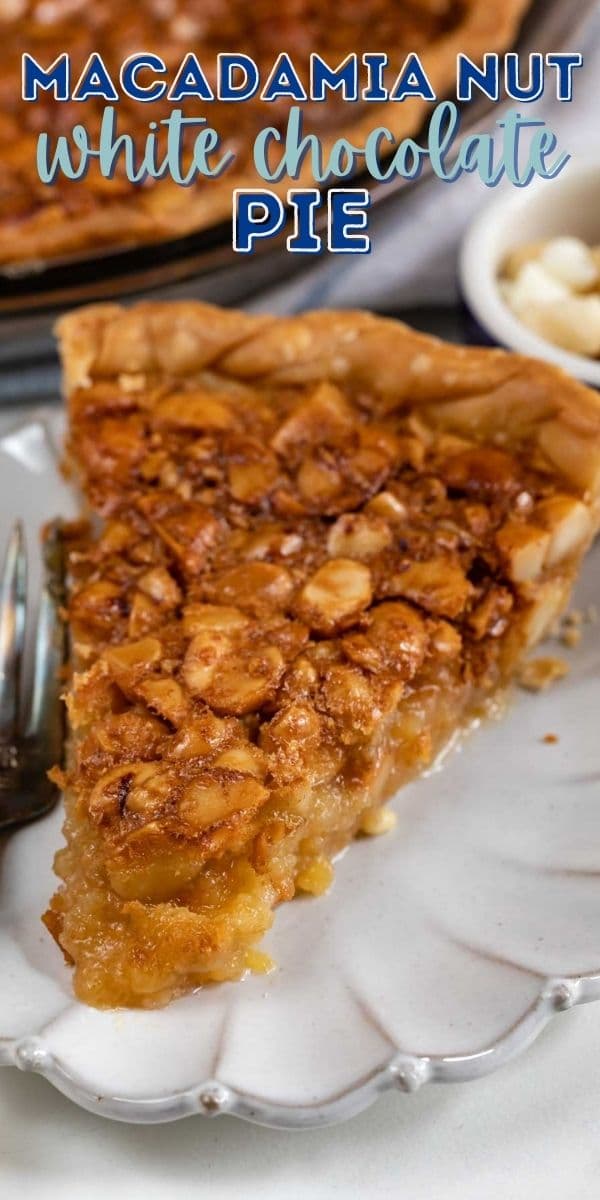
(321, 546)
(39, 222)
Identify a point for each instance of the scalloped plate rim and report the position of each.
(212, 1097)
(405, 1072)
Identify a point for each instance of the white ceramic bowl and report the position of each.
(570, 205)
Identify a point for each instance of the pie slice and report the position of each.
(326, 542)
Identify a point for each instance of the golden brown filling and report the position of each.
(169, 28)
(297, 594)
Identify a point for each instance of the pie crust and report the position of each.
(38, 222)
(324, 544)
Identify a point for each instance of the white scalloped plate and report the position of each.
(441, 950)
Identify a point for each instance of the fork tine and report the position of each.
(45, 720)
(13, 601)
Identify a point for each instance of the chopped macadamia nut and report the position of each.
(216, 797)
(540, 673)
(447, 640)
(544, 610)
(144, 615)
(243, 683)
(318, 481)
(160, 586)
(140, 788)
(245, 758)
(254, 586)
(569, 523)
(324, 413)
(348, 697)
(356, 535)
(148, 790)
(251, 481)
(335, 595)
(166, 698)
(574, 454)
(203, 654)
(128, 663)
(436, 585)
(201, 735)
(199, 617)
(389, 507)
(523, 548)
(194, 410)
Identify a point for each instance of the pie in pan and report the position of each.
(41, 222)
(324, 544)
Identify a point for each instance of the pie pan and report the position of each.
(61, 225)
(203, 265)
(442, 951)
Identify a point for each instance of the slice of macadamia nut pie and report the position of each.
(325, 544)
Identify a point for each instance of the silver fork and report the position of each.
(32, 733)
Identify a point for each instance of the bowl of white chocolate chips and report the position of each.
(553, 287)
(530, 271)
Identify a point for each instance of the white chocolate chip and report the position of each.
(536, 286)
(570, 261)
